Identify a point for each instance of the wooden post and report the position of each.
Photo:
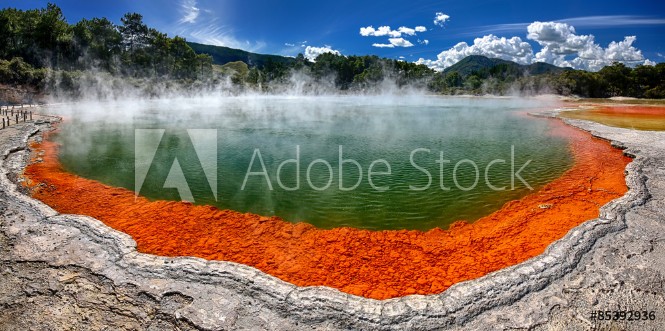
(31, 115)
(16, 117)
(3, 122)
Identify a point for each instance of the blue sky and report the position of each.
(581, 34)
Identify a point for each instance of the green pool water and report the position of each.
(98, 141)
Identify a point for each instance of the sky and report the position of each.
(581, 34)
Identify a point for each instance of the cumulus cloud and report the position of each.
(311, 52)
(394, 42)
(423, 42)
(395, 36)
(400, 42)
(622, 51)
(407, 31)
(380, 32)
(512, 49)
(440, 18)
(560, 46)
(558, 38)
(385, 30)
(560, 41)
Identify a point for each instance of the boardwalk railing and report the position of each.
(15, 114)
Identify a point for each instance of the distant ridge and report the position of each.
(480, 64)
(222, 55)
(469, 65)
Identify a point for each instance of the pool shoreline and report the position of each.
(456, 306)
(374, 264)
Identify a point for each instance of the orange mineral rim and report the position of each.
(373, 264)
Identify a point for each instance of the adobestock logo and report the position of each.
(146, 144)
(381, 168)
(341, 173)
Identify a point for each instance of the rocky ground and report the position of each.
(68, 272)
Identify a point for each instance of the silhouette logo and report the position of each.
(146, 144)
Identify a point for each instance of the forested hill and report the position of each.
(479, 64)
(223, 55)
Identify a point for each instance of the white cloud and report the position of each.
(289, 44)
(400, 42)
(203, 26)
(609, 21)
(380, 32)
(660, 55)
(368, 31)
(605, 22)
(407, 31)
(423, 42)
(395, 36)
(189, 11)
(311, 52)
(512, 49)
(211, 33)
(559, 40)
(648, 62)
(394, 42)
(385, 30)
(560, 46)
(440, 18)
(622, 51)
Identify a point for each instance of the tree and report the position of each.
(185, 63)
(52, 33)
(98, 42)
(618, 78)
(454, 79)
(473, 82)
(134, 32)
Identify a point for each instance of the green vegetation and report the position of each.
(39, 49)
(43, 38)
(342, 72)
(481, 75)
(614, 80)
(17, 72)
